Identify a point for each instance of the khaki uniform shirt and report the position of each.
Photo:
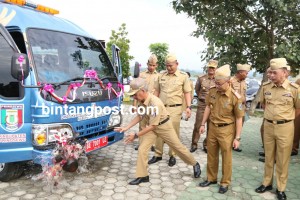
(150, 78)
(224, 108)
(239, 86)
(203, 84)
(171, 87)
(280, 101)
(155, 110)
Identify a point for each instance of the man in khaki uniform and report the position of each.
(282, 104)
(239, 85)
(151, 76)
(225, 109)
(203, 84)
(158, 125)
(297, 131)
(172, 85)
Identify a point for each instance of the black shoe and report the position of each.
(172, 161)
(223, 189)
(193, 149)
(237, 150)
(152, 148)
(294, 153)
(205, 149)
(262, 188)
(280, 195)
(207, 183)
(261, 154)
(154, 159)
(137, 147)
(139, 180)
(197, 170)
(261, 159)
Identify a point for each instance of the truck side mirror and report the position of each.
(136, 72)
(19, 66)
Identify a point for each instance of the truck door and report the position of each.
(15, 137)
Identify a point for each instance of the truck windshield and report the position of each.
(61, 56)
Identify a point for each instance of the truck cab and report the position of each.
(56, 80)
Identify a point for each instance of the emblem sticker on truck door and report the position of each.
(12, 117)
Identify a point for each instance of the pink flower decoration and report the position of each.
(91, 74)
(21, 59)
(109, 85)
(48, 88)
(75, 85)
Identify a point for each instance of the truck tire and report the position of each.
(9, 171)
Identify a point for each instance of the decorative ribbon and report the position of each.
(20, 60)
(71, 91)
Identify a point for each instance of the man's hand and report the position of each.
(188, 112)
(120, 129)
(236, 144)
(129, 138)
(201, 129)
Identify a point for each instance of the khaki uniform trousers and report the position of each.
(220, 138)
(167, 133)
(199, 116)
(142, 124)
(262, 131)
(278, 140)
(175, 117)
(296, 135)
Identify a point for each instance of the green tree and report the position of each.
(160, 50)
(120, 39)
(250, 31)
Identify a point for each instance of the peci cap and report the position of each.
(278, 63)
(223, 72)
(171, 58)
(152, 59)
(245, 67)
(135, 85)
(212, 63)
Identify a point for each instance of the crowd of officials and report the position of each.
(220, 112)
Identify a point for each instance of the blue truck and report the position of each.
(56, 80)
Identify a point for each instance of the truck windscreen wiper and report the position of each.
(68, 81)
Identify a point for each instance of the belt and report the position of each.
(163, 121)
(174, 105)
(221, 125)
(202, 100)
(278, 122)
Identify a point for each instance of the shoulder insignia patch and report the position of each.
(236, 94)
(294, 85)
(266, 83)
(181, 72)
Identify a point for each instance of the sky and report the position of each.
(147, 22)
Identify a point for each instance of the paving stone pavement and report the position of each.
(113, 167)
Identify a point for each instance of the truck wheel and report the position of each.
(9, 171)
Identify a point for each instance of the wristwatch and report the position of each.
(238, 139)
(136, 135)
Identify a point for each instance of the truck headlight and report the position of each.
(115, 119)
(46, 134)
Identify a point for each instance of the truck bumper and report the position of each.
(45, 156)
